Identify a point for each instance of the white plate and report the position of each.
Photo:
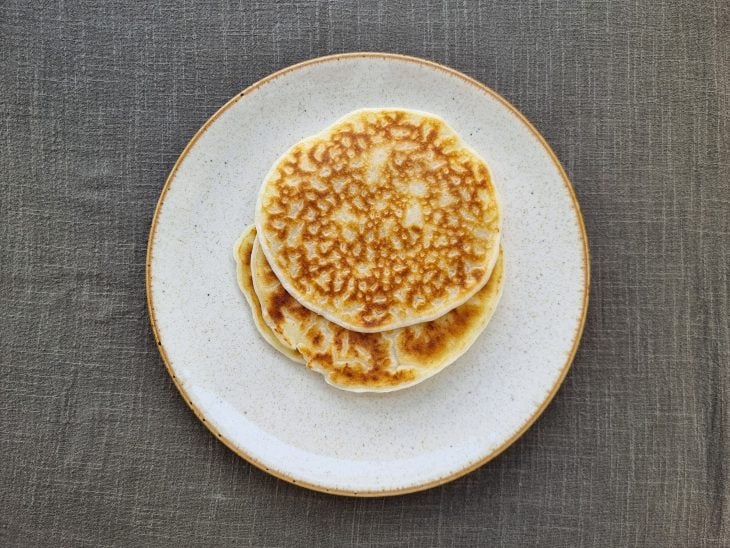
(284, 418)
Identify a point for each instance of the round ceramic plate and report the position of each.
(284, 418)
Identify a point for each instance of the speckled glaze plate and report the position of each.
(284, 418)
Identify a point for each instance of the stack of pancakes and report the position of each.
(375, 257)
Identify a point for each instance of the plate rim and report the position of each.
(576, 336)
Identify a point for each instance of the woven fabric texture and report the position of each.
(99, 98)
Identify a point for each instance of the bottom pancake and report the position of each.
(242, 253)
(372, 362)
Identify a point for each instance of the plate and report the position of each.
(284, 418)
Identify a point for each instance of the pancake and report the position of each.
(385, 219)
(242, 253)
(372, 362)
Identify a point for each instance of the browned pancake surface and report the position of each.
(386, 219)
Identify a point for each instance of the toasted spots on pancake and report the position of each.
(279, 300)
(401, 189)
(353, 377)
(428, 342)
(382, 361)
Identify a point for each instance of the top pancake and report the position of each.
(385, 219)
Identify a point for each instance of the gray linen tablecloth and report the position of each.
(99, 98)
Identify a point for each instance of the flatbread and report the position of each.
(385, 219)
(372, 362)
(242, 254)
